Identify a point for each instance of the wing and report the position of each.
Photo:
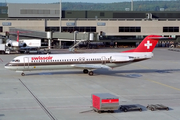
(91, 66)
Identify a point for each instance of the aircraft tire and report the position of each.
(91, 73)
(85, 71)
(22, 74)
(152, 109)
(125, 110)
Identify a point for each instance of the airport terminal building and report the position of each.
(119, 26)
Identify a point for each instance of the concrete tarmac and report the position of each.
(66, 94)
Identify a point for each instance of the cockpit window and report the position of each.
(16, 60)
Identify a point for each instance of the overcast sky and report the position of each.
(52, 1)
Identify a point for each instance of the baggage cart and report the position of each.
(126, 108)
(153, 107)
(104, 102)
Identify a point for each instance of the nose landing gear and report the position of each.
(22, 74)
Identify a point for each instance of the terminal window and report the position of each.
(80, 29)
(3, 11)
(170, 29)
(102, 14)
(129, 29)
(34, 11)
(71, 29)
(1, 29)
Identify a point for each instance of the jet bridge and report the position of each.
(27, 33)
(76, 36)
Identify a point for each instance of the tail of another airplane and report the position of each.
(148, 44)
(17, 36)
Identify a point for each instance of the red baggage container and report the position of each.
(105, 102)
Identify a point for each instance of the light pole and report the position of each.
(60, 12)
(131, 5)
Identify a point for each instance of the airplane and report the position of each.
(25, 45)
(85, 61)
(15, 43)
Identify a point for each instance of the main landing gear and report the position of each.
(85, 71)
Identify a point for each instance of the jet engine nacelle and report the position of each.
(22, 44)
(11, 43)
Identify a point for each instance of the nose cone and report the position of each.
(7, 65)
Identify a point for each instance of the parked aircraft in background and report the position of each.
(87, 61)
(15, 43)
(23, 44)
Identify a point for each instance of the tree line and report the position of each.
(122, 6)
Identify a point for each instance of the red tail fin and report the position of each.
(148, 44)
(17, 36)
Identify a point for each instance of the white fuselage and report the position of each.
(75, 61)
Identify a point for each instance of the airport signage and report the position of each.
(6, 23)
(101, 24)
(70, 24)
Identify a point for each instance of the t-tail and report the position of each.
(148, 44)
(17, 36)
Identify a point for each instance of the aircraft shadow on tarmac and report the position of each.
(134, 73)
(119, 73)
(1, 115)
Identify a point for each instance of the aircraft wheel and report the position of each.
(22, 74)
(125, 110)
(91, 73)
(85, 71)
(152, 109)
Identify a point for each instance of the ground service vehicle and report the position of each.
(126, 108)
(153, 107)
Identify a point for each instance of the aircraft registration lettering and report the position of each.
(42, 58)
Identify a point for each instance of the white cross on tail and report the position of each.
(148, 44)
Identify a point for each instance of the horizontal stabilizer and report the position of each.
(160, 38)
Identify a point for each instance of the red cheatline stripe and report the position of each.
(110, 101)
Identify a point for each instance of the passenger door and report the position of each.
(103, 59)
(26, 63)
(81, 59)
